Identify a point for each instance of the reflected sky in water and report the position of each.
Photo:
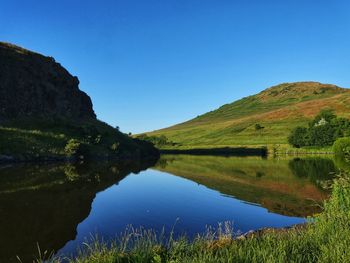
(65, 204)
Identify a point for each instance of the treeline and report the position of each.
(322, 131)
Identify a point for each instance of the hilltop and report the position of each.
(275, 111)
(45, 116)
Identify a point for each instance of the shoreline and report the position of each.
(225, 151)
(6, 159)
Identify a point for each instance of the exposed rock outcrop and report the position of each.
(33, 85)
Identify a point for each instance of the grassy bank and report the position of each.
(326, 238)
(272, 149)
(62, 139)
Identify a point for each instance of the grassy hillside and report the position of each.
(47, 139)
(278, 109)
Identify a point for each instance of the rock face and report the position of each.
(33, 85)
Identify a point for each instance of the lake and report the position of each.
(59, 206)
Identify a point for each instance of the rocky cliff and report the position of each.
(33, 85)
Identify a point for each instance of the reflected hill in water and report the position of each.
(289, 187)
(44, 204)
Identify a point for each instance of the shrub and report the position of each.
(258, 127)
(115, 146)
(341, 147)
(321, 135)
(72, 147)
(71, 173)
(298, 138)
(75, 148)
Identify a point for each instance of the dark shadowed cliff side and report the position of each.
(33, 85)
(44, 115)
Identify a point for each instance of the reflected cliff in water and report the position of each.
(58, 206)
(44, 204)
(289, 186)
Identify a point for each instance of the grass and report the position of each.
(40, 139)
(278, 109)
(325, 238)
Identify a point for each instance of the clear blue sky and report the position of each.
(148, 64)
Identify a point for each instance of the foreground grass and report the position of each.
(326, 238)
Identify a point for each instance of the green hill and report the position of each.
(277, 109)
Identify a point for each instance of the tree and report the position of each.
(322, 135)
(325, 116)
(323, 130)
(258, 127)
(299, 137)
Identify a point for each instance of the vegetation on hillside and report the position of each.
(61, 139)
(159, 141)
(325, 238)
(323, 130)
(278, 109)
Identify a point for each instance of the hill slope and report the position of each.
(278, 109)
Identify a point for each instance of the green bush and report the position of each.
(323, 130)
(258, 127)
(72, 147)
(115, 146)
(298, 138)
(341, 147)
(75, 148)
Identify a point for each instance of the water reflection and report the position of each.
(44, 203)
(57, 206)
(289, 186)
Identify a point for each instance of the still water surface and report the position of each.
(59, 206)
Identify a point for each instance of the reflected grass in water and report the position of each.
(325, 239)
(285, 186)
